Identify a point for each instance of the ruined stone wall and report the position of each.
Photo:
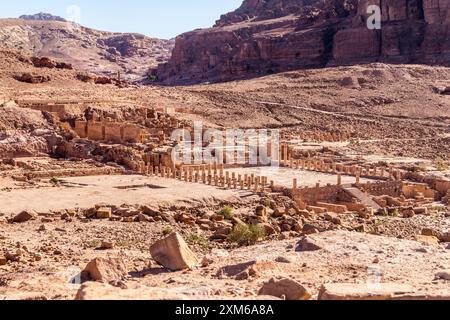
(442, 186)
(390, 188)
(62, 110)
(313, 195)
(95, 131)
(115, 132)
(412, 190)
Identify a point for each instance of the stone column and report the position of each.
(294, 185)
(285, 154)
(339, 179)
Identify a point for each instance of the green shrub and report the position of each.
(266, 202)
(246, 235)
(439, 208)
(94, 243)
(197, 239)
(440, 164)
(54, 181)
(123, 243)
(167, 230)
(395, 213)
(227, 212)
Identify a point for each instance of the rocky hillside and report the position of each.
(270, 36)
(99, 52)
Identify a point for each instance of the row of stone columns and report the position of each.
(295, 182)
(357, 171)
(213, 175)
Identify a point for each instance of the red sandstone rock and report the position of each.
(105, 270)
(24, 216)
(31, 78)
(285, 288)
(173, 253)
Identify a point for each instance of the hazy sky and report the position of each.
(157, 18)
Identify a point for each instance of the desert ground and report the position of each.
(93, 208)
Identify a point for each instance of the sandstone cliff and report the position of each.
(270, 36)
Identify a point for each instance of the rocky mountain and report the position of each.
(102, 53)
(269, 36)
(42, 16)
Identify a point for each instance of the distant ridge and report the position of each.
(42, 17)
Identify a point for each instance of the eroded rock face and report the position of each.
(265, 37)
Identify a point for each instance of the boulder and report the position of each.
(107, 270)
(279, 212)
(150, 211)
(350, 82)
(253, 268)
(173, 253)
(444, 275)
(285, 289)
(24, 216)
(309, 229)
(261, 211)
(43, 62)
(431, 240)
(307, 244)
(107, 245)
(221, 233)
(31, 78)
(103, 213)
(269, 230)
(3, 260)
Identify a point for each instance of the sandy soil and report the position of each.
(345, 257)
(86, 192)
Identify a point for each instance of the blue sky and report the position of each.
(157, 18)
